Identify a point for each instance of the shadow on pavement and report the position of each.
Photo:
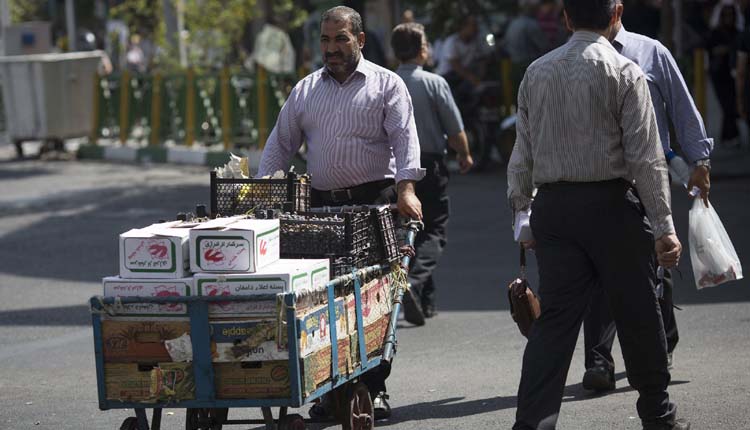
(83, 245)
(78, 315)
(16, 173)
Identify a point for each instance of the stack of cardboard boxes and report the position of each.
(147, 348)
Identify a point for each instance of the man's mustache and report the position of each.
(328, 56)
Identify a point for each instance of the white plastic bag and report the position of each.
(711, 252)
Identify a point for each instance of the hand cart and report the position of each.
(205, 411)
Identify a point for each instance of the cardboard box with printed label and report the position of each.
(155, 252)
(134, 382)
(282, 276)
(140, 341)
(252, 380)
(246, 340)
(115, 286)
(376, 302)
(232, 245)
(315, 331)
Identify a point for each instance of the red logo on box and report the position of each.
(263, 247)
(157, 251)
(213, 255)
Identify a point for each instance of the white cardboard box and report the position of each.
(158, 251)
(115, 286)
(280, 277)
(232, 245)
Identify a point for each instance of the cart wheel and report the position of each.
(205, 418)
(130, 423)
(292, 422)
(361, 412)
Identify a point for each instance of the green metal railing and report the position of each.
(233, 108)
(239, 108)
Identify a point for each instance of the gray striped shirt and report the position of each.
(585, 115)
(360, 131)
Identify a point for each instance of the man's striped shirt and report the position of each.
(585, 115)
(360, 131)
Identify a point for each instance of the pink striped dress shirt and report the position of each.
(360, 131)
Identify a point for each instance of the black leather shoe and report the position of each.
(381, 407)
(412, 309)
(428, 309)
(599, 378)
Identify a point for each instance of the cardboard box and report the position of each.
(133, 382)
(157, 251)
(140, 341)
(252, 380)
(115, 286)
(236, 244)
(315, 333)
(376, 302)
(316, 367)
(375, 334)
(280, 277)
(247, 340)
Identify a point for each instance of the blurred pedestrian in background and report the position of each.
(438, 123)
(525, 40)
(726, 24)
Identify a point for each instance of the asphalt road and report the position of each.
(59, 223)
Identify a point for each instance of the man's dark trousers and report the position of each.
(599, 327)
(373, 193)
(432, 192)
(589, 236)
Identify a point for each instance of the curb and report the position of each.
(162, 154)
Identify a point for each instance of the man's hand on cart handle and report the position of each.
(408, 203)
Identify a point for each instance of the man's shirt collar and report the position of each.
(363, 68)
(621, 39)
(589, 36)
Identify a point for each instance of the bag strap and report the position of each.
(523, 261)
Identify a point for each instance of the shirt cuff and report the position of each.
(520, 203)
(411, 174)
(706, 146)
(663, 227)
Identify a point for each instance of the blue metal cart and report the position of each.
(206, 412)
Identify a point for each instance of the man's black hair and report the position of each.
(407, 40)
(347, 14)
(590, 14)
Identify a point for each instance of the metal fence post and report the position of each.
(155, 109)
(699, 80)
(190, 108)
(95, 120)
(124, 105)
(262, 84)
(226, 109)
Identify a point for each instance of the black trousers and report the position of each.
(725, 91)
(589, 236)
(432, 192)
(599, 327)
(372, 193)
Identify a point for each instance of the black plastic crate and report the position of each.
(353, 239)
(318, 234)
(387, 235)
(230, 196)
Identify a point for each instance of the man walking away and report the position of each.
(436, 116)
(672, 100)
(586, 130)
